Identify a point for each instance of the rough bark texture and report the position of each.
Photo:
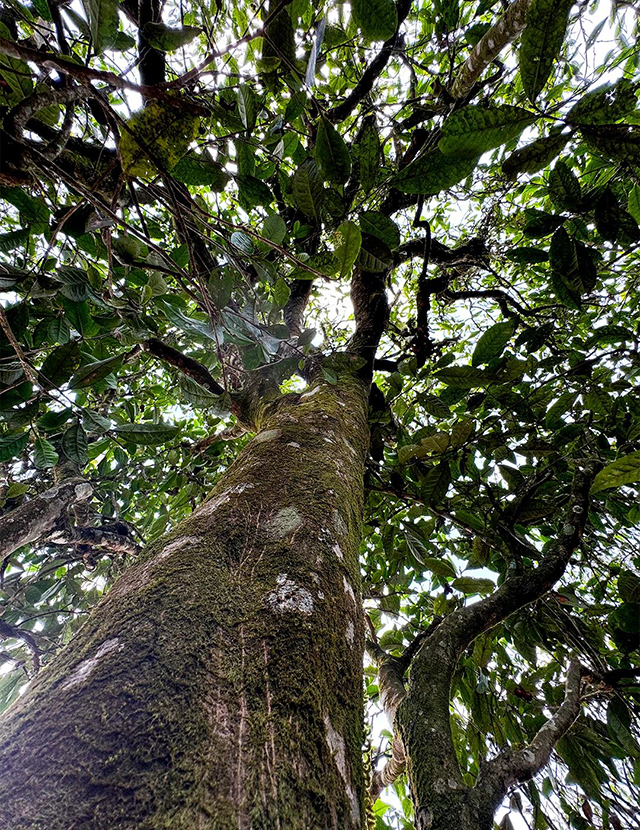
(35, 518)
(218, 684)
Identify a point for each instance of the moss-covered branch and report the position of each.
(37, 517)
(489, 47)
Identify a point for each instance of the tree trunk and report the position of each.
(219, 683)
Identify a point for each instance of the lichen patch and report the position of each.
(290, 597)
(350, 632)
(267, 435)
(84, 669)
(172, 547)
(348, 589)
(286, 521)
(336, 744)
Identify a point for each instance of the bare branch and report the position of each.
(489, 47)
(15, 632)
(187, 365)
(373, 71)
(35, 518)
(510, 767)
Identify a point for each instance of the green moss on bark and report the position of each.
(218, 684)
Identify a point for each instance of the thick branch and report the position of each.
(94, 537)
(471, 252)
(510, 767)
(37, 517)
(429, 735)
(187, 365)
(14, 632)
(371, 312)
(373, 71)
(296, 304)
(489, 47)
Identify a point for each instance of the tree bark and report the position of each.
(218, 684)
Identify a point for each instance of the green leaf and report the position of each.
(332, 153)
(432, 172)
(241, 241)
(607, 215)
(308, 190)
(12, 445)
(248, 105)
(103, 22)
(541, 42)
(375, 256)
(492, 342)
(74, 444)
(377, 224)
(626, 617)
(376, 19)
(95, 422)
(60, 364)
(604, 105)
(564, 188)
(167, 38)
(474, 130)
(147, 434)
(538, 223)
(569, 260)
(535, 156)
(465, 377)
(349, 249)
(94, 372)
(625, 470)
(629, 586)
(274, 229)
(434, 406)
(44, 455)
(434, 485)
(196, 169)
(281, 292)
(609, 334)
(439, 567)
(633, 205)
(472, 585)
(619, 723)
(369, 156)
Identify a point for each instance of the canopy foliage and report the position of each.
(184, 194)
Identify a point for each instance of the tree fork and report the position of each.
(219, 683)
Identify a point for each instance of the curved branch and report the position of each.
(187, 365)
(372, 72)
(510, 767)
(33, 519)
(489, 47)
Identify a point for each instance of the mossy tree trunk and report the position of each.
(219, 683)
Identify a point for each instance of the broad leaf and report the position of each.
(147, 434)
(103, 22)
(332, 153)
(308, 190)
(377, 19)
(167, 38)
(475, 129)
(432, 173)
(541, 42)
(625, 470)
(492, 343)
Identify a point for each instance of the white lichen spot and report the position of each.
(328, 441)
(214, 503)
(172, 547)
(83, 491)
(349, 446)
(320, 594)
(286, 521)
(439, 785)
(293, 444)
(338, 551)
(453, 784)
(315, 577)
(84, 669)
(348, 589)
(342, 404)
(290, 597)
(350, 632)
(339, 523)
(267, 435)
(310, 393)
(335, 742)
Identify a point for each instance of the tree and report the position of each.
(321, 328)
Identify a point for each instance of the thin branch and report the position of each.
(187, 365)
(510, 767)
(38, 516)
(489, 47)
(16, 633)
(373, 71)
